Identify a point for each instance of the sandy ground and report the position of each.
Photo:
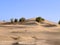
(29, 35)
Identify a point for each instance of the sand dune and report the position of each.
(31, 33)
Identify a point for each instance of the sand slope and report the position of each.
(31, 33)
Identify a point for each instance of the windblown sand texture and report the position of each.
(31, 33)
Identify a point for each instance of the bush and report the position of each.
(39, 19)
(16, 20)
(22, 20)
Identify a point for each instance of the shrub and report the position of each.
(39, 19)
(22, 20)
(16, 20)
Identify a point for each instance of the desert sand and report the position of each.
(31, 33)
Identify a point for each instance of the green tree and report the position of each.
(16, 20)
(22, 20)
(39, 19)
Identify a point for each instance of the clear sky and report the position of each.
(48, 9)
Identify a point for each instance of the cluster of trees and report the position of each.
(38, 19)
(16, 20)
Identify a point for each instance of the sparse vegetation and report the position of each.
(16, 20)
(39, 19)
(22, 20)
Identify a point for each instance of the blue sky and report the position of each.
(48, 9)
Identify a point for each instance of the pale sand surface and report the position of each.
(29, 35)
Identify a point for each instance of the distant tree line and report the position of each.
(22, 20)
(16, 20)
